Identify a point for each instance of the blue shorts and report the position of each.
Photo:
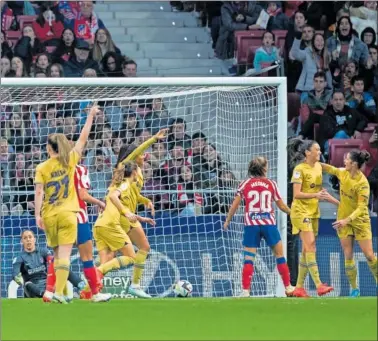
(253, 235)
(84, 233)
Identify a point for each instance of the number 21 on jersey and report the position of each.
(57, 186)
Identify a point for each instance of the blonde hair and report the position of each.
(61, 146)
(97, 54)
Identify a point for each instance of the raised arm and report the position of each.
(330, 169)
(296, 51)
(234, 207)
(83, 138)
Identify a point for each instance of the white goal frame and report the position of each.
(221, 82)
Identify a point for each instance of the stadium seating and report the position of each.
(25, 20)
(294, 103)
(339, 147)
(13, 37)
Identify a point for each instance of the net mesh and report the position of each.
(191, 177)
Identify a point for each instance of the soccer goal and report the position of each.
(216, 125)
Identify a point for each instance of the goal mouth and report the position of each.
(216, 125)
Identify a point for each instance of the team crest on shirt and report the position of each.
(312, 185)
(307, 220)
(296, 175)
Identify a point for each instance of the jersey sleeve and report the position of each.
(239, 191)
(141, 149)
(124, 186)
(16, 266)
(84, 181)
(276, 192)
(39, 175)
(297, 177)
(332, 170)
(363, 193)
(74, 158)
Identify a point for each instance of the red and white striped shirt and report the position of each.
(82, 181)
(258, 195)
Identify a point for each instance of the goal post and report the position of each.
(231, 120)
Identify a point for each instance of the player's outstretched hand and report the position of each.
(161, 134)
(225, 225)
(132, 217)
(150, 206)
(95, 109)
(338, 224)
(101, 205)
(149, 221)
(39, 222)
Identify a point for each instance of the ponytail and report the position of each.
(62, 147)
(296, 150)
(360, 157)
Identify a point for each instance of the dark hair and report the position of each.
(297, 148)
(301, 12)
(373, 47)
(130, 167)
(257, 166)
(349, 36)
(369, 30)
(24, 231)
(359, 156)
(338, 92)
(38, 70)
(273, 35)
(62, 48)
(118, 64)
(199, 135)
(356, 79)
(125, 151)
(128, 62)
(320, 74)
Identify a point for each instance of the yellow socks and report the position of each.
(115, 264)
(313, 267)
(140, 259)
(62, 270)
(302, 272)
(351, 272)
(373, 265)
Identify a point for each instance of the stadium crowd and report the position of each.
(330, 59)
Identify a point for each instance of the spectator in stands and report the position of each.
(18, 134)
(342, 80)
(88, 73)
(19, 67)
(212, 163)
(111, 65)
(47, 27)
(55, 71)
(175, 162)
(227, 185)
(103, 43)
(267, 54)
(314, 59)
(80, 61)
(130, 126)
(278, 20)
(39, 73)
(51, 122)
(100, 172)
(5, 66)
(369, 36)
(370, 72)
(364, 16)
(339, 122)
(86, 24)
(142, 135)
(199, 142)
(129, 68)
(26, 184)
(66, 47)
(158, 118)
(361, 100)
(177, 134)
(8, 20)
(6, 48)
(293, 67)
(314, 11)
(184, 196)
(29, 46)
(236, 16)
(373, 176)
(159, 151)
(42, 61)
(344, 45)
(70, 128)
(117, 143)
(5, 158)
(314, 102)
(18, 169)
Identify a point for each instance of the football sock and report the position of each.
(283, 270)
(62, 269)
(115, 264)
(313, 268)
(247, 274)
(91, 276)
(51, 278)
(351, 272)
(302, 271)
(140, 259)
(374, 268)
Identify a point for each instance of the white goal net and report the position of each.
(215, 127)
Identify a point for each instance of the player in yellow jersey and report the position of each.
(305, 213)
(134, 229)
(353, 220)
(110, 237)
(56, 202)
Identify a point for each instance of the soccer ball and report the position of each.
(182, 288)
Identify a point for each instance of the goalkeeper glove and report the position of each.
(19, 280)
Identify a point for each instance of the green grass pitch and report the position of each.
(192, 319)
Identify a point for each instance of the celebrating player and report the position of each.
(307, 191)
(55, 188)
(33, 266)
(353, 221)
(134, 228)
(258, 193)
(109, 235)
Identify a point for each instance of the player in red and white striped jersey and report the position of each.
(259, 193)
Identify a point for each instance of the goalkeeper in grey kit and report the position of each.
(31, 268)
